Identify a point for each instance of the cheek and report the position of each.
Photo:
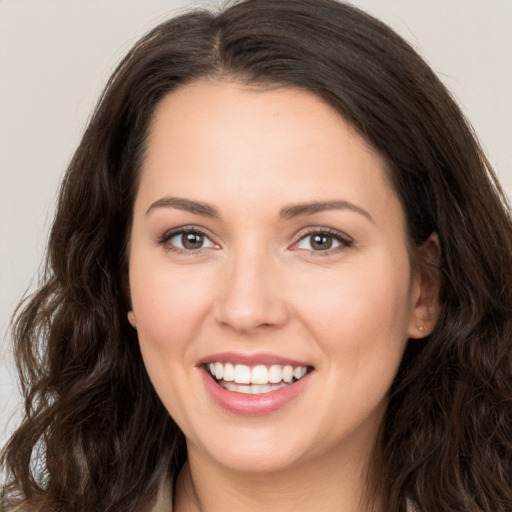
(360, 325)
(170, 308)
(170, 305)
(360, 313)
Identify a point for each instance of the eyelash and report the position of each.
(169, 235)
(343, 240)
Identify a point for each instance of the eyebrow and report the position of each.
(187, 205)
(304, 209)
(289, 212)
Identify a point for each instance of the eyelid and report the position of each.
(169, 234)
(345, 241)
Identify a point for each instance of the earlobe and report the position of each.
(132, 319)
(428, 280)
(128, 297)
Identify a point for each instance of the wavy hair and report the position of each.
(95, 436)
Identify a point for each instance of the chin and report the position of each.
(252, 450)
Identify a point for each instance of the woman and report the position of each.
(279, 277)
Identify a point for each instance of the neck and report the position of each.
(327, 485)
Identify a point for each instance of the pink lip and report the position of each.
(250, 359)
(252, 405)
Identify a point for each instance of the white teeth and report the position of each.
(260, 376)
(253, 389)
(229, 372)
(298, 372)
(256, 389)
(288, 373)
(219, 370)
(242, 374)
(275, 374)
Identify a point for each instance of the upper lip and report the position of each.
(251, 359)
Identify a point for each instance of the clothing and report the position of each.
(164, 498)
(164, 501)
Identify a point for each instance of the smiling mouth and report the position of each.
(255, 380)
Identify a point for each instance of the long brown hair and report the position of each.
(95, 435)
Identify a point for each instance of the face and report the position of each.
(270, 280)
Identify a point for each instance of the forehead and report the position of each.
(208, 140)
(215, 112)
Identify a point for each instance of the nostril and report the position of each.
(246, 318)
(250, 299)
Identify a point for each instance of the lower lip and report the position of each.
(253, 405)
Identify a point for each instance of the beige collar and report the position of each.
(164, 498)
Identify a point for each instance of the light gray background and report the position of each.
(55, 56)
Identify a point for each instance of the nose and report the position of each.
(250, 297)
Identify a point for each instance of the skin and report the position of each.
(257, 286)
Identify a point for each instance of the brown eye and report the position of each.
(189, 240)
(192, 240)
(322, 241)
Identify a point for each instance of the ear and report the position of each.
(426, 289)
(127, 295)
(132, 319)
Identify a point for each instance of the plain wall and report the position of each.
(55, 56)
